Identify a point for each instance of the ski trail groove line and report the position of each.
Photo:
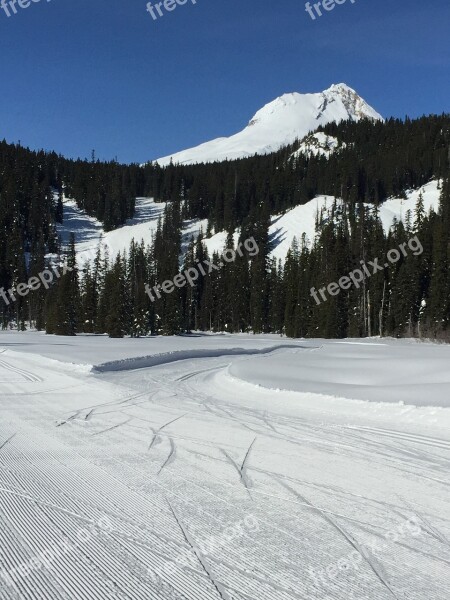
(171, 457)
(265, 418)
(8, 440)
(364, 554)
(136, 596)
(251, 566)
(244, 463)
(67, 491)
(116, 402)
(69, 419)
(201, 372)
(238, 470)
(429, 528)
(221, 591)
(112, 428)
(243, 469)
(408, 437)
(25, 374)
(155, 435)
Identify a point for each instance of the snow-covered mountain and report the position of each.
(281, 122)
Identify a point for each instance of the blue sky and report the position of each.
(78, 75)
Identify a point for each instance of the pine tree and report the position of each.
(67, 295)
(114, 292)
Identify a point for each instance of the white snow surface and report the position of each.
(298, 222)
(89, 232)
(398, 207)
(223, 467)
(279, 123)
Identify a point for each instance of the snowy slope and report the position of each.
(399, 207)
(301, 220)
(281, 122)
(296, 222)
(89, 232)
(200, 480)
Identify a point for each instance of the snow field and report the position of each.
(348, 498)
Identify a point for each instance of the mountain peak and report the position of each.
(279, 123)
(340, 87)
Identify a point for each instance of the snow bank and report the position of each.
(142, 362)
(395, 372)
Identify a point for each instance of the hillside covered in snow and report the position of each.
(297, 223)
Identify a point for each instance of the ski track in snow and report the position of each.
(25, 375)
(175, 453)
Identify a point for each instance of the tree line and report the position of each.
(408, 298)
(376, 160)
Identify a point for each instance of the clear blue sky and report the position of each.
(83, 74)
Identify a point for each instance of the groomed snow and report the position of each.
(209, 484)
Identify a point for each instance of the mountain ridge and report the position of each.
(279, 123)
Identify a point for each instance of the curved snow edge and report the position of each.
(153, 360)
(335, 400)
